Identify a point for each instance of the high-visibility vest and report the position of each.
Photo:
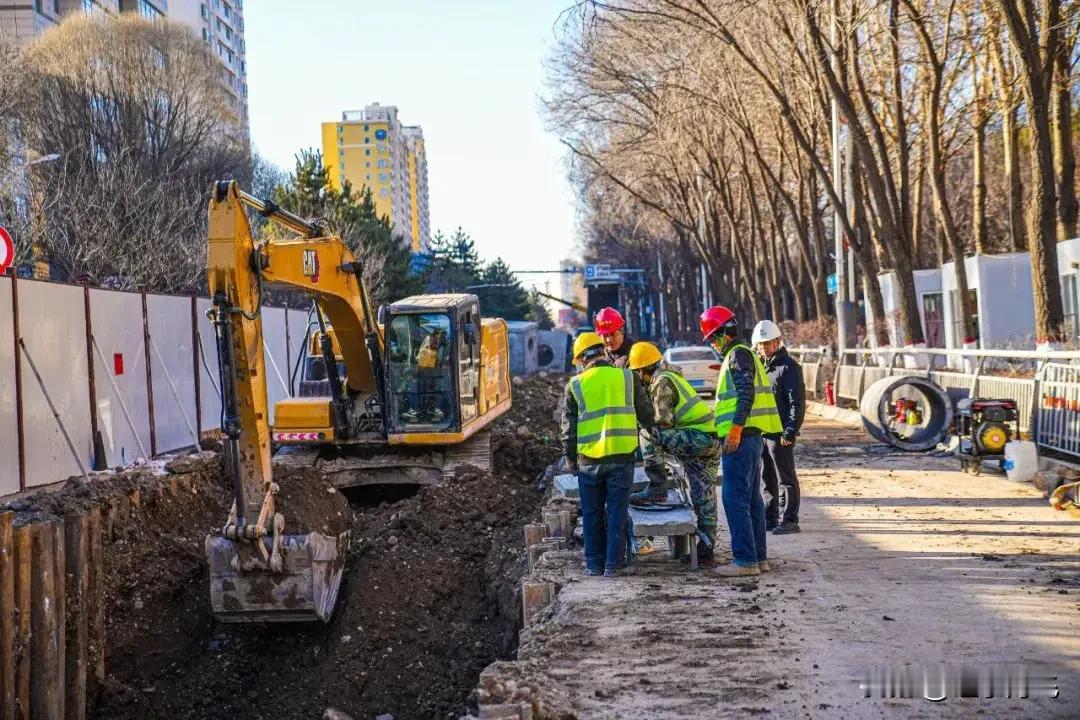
(606, 422)
(691, 412)
(763, 414)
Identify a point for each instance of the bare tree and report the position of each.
(135, 113)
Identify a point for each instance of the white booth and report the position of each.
(928, 295)
(1068, 253)
(1000, 285)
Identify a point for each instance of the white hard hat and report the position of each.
(765, 331)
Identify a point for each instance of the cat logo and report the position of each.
(311, 265)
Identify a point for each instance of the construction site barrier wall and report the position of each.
(1044, 384)
(138, 368)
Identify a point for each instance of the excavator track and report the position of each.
(348, 467)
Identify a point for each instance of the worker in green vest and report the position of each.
(745, 410)
(684, 428)
(605, 406)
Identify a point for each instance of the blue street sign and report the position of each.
(830, 284)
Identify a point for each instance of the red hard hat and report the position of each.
(609, 321)
(716, 318)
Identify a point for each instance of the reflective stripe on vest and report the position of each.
(606, 421)
(763, 413)
(691, 412)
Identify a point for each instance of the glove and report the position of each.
(734, 437)
(787, 441)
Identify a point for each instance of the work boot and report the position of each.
(594, 571)
(771, 524)
(731, 570)
(649, 496)
(410, 416)
(786, 528)
(763, 566)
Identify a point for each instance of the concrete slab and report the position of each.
(654, 523)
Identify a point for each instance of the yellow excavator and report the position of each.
(411, 398)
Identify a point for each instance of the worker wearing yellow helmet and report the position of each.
(684, 428)
(604, 409)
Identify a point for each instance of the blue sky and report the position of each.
(469, 71)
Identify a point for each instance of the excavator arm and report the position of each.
(257, 571)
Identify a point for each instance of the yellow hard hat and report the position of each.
(643, 354)
(586, 341)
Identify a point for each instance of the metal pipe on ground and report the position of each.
(933, 406)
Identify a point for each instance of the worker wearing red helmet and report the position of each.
(745, 410)
(610, 326)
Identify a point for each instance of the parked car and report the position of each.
(699, 364)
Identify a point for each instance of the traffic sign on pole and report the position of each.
(831, 283)
(7, 250)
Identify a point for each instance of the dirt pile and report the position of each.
(430, 597)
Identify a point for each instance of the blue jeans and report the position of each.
(744, 507)
(605, 504)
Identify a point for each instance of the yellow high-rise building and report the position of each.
(371, 148)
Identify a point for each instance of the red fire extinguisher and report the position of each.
(830, 394)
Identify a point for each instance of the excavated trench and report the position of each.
(429, 598)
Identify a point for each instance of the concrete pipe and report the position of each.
(909, 412)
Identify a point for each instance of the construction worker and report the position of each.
(610, 326)
(604, 409)
(684, 428)
(778, 460)
(745, 410)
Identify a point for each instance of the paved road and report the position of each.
(904, 561)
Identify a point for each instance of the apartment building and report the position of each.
(371, 148)
(220, 24)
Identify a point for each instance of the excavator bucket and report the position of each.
(243, 589)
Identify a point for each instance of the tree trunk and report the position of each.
(1064, 158)
(1042, 208)
(1010, 138)
(978, 179)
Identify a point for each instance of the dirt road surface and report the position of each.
(903, 561)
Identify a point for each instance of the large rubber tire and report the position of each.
(937, 404)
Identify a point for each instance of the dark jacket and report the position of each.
(643, 409)
(742, 376)
(787, 382)
(621, 357)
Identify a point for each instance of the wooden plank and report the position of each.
(60, 608)
(95, 598)
(76, 531)
(43, 629)
(7, 616)
(24, 540)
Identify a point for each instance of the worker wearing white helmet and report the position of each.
(778, 458)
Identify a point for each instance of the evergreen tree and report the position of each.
(455, 265)
(538, 311)
(500, 293)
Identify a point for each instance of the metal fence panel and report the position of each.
(52, 321)
(170, 328)
(117, 325)
(277, 382)
(298, 324)
(848, 385)
(209, 383)
(1059, 408)
(9, 429)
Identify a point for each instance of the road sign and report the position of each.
(831, 284)
(7, 250)
(598, 272)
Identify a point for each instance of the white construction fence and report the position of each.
(139, 368)
(1044, 384)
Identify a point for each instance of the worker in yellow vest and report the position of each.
(745, 410)
(684, 428)
(605, 407)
